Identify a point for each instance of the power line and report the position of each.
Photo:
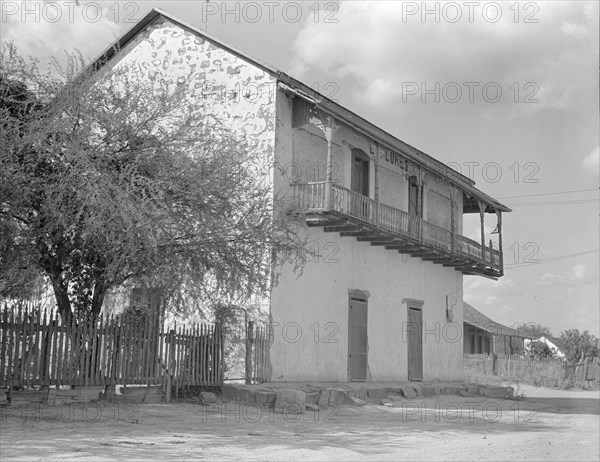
(551, 259)
(573, 202)
(550, 194)
(562, 277)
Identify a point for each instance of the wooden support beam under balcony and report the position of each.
(425, 256)
(380, 237)
(360, 233)
(403, 247)
(442, 259)
(324, 221)
(452, 262)
(342, 228)
(382, 242)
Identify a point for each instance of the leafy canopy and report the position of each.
(108, 178)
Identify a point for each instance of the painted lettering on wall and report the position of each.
(397, 161)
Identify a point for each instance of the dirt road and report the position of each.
(547, 425)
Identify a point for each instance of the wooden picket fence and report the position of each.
(547, 371)
(261, 347)
(37, 348)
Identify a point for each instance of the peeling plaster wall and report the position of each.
(224, 86)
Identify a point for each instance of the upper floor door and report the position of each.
(360, 172)
(413, 196)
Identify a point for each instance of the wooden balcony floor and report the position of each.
(356, 217)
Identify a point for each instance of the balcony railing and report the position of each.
(321, 197)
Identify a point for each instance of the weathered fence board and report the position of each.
(38, 348)
(528, 369)
(260, 358)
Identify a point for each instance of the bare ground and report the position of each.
(546, 425)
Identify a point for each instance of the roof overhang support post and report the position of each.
(329, 138)
(376, 164)
(453, 192)
(481, 217)
(499, 217)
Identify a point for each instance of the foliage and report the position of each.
(108, 178)
(532, 330)
(577, 346)
(540, 350)
(233, 319)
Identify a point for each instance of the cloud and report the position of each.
(45, 29)
(591, 162)
(579, 271)
(381, 49)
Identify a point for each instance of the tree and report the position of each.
(577, 346)
(532, 330)
(539, 350)
(108, 178)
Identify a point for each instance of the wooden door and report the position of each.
(413, 207)
(415, 344)
(357, 340)
(360, 172)
(413, 196)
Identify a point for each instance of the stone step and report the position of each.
(312, 395)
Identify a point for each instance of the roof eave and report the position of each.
(324, 103)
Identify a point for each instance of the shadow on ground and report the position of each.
(588, 406)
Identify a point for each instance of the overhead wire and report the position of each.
(551, 259)
(551, 193)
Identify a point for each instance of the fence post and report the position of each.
(495, 363)
(170, 360)
(249, 341)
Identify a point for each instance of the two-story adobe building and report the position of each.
(382, 299)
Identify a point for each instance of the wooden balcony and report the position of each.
(341, 210)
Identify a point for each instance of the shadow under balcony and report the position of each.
(343, 211)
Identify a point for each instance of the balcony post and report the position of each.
(499, 217)
(376, 195)
(329, 179)
(481, 217)
(452, 217)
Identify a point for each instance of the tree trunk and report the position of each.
(62, 298)
(98, 298)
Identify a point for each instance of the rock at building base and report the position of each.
(208, 397)
(265, 398)
(497, 392)
(356, 401)
(331, 397)
(409, 392)
(289, 401)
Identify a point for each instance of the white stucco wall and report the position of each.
(302, 155)
(317, 302)
(310, 311)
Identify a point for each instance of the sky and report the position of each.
(504, 92)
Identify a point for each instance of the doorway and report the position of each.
(357, 339)
(360, 172)
(415, 343)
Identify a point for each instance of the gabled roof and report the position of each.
(476, 318)
(322, 103)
